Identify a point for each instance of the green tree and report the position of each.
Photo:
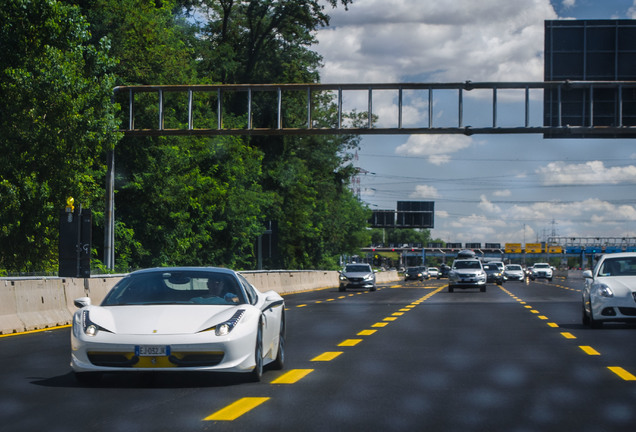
(57, 122)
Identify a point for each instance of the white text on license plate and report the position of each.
(152, 350)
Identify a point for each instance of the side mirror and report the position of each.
(587, 274)
(82, 301)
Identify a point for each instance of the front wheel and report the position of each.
(585, 319)
(257, 373)
(594, 323)
(451, 288)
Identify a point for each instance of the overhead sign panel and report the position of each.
(533, 248)
(415, 214)
(513, 248)
(590, 50)
(383, 219)
(409, 214)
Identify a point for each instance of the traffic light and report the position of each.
(75, 241)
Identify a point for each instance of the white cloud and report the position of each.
(488, 206)
(441, 214)
(593, 172)
(437, 147)
(425, 192)
(568, 3)
(390, 40)
(502, 193)
(631, 13)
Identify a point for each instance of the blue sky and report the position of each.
(486, 188)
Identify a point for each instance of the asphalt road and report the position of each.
(410, 356)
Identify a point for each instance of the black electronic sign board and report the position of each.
(590, 50)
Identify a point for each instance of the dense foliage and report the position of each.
(179, 200)
(56, 121)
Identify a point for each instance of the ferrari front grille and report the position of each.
(193, 360)
(627, 311)
(112, 360)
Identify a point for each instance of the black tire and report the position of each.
(257, 373)
(372, 288)
(594, 323)
(279, 363)
(341, 288)
(585, 319)
(451, 288)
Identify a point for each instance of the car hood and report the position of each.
(620, 284)
(160, 319)
(467, 271)
(357, 274)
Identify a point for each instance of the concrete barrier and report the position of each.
(31, 304)
(9, 320)
(41, 303)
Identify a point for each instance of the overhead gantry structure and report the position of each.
(556, 109)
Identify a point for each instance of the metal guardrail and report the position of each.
(559, 98)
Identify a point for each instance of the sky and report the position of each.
(486, 188)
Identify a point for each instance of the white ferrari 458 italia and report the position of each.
(609, 293)
(179, 319)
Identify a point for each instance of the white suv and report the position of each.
(467, 273)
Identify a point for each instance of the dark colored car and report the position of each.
(493, 273)
(415, 273)
(443, 271)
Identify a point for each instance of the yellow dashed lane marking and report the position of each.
(589, 350)
(366, 332)
(380, 324)
(350, 342)
(389, 319)
(237, 409)
(327, 356)
(619, 371)
(293, 376)
(622, 373)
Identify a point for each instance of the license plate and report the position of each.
(152, 350)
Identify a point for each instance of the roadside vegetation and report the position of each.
(179, 200)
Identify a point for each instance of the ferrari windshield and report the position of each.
(176, 287)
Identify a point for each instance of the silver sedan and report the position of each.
(609, 293)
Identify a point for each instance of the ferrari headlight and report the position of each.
(604, 291)
(343, 278)
(226, 327)
(89, 327)
(368, 277)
